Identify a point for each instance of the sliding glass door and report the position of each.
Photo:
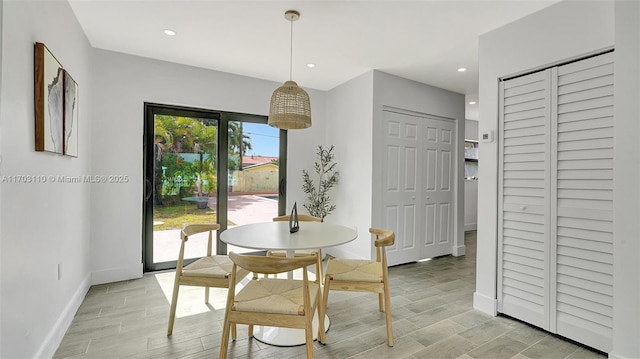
(206, 166)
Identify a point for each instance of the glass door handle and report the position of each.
(148, 189)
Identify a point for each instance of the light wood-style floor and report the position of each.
(433, 317)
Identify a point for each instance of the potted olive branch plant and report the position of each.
(318, 200)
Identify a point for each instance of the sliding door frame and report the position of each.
(222, 167)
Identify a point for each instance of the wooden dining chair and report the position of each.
(273, 302)
(361, 275)
(316, 253)
(209, 271)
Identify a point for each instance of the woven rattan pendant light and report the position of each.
(290, 106)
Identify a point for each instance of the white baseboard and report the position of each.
(470, 226)
(55, 336)
(117, 274)
(485, 304)
(459, 251)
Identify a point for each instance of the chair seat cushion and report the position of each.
(359, 270)
(219, 266)
(279, 296)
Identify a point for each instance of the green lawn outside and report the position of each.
(175, 216)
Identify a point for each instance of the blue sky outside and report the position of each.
(264, 139)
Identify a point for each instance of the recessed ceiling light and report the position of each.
(310, 65)
(462, 69)
(169, 32)
(472, 102)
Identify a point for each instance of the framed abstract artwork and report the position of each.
(56, 105)
(48, 101)
(70, 115)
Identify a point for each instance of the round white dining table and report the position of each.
(276, 236)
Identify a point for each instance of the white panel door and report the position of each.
(401, 184)
(583, 159)
(523, 231)
(419, 185)
(438, 172)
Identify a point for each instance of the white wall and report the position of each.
(569, 30)
(393, 91)
(626, 251)
(123, 84)
(42, 224)
(349, 128)
(302, 147)
(471, 129)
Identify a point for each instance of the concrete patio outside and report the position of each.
(242, 209)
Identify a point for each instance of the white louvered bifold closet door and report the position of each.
(584, 201)
(555, 254)
(523, 291)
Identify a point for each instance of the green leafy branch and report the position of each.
(318, 200)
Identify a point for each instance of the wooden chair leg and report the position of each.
(234, 332)
(308, 333)
(380, 302)
(322, 338)
(387, 312)
(325, 294)
(224, 342)
(250, 330)
(319, 275)
(174, 304)
(206, 295)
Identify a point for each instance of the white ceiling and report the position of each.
(426, 41)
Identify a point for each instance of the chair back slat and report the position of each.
(301, 218)
(192, 229)
(384, 237)
(270, 265)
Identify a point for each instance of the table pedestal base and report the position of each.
(287, 337)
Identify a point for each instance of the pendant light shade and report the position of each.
(290, 106)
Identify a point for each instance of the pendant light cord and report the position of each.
(291, 51)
